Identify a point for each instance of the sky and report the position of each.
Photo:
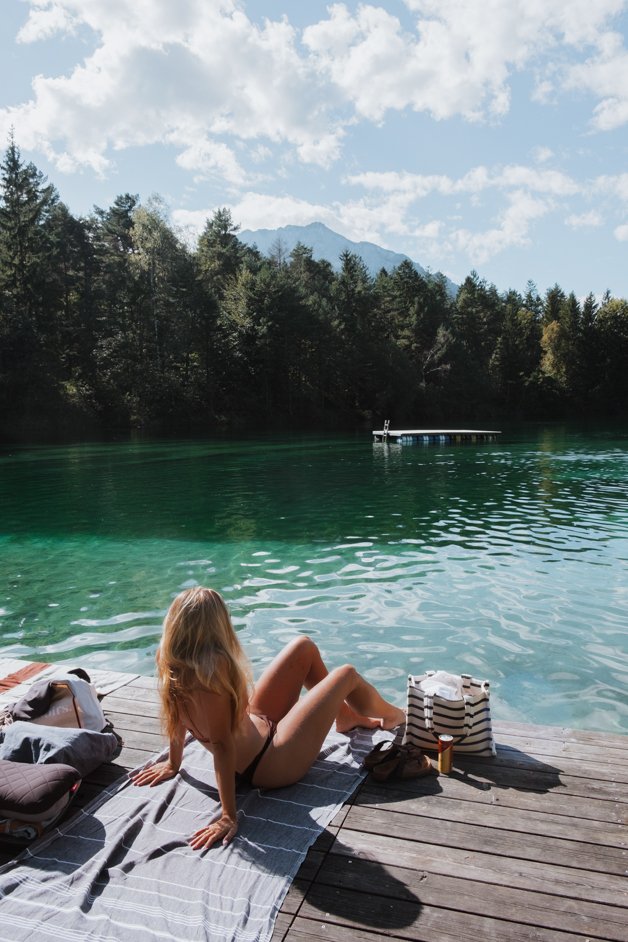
(487, 135)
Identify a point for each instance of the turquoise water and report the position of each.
(505, 560)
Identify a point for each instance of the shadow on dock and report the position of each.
(342, 892)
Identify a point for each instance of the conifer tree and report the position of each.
(26, 204)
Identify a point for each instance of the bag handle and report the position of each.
(467, 681)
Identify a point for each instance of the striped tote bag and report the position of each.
(459, 705)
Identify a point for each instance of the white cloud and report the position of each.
(480, 178)
(212, 158)
(194, 72)
(519, 197)
(590, 220)
(578, 21)
(513, 229)
(202, 74)
(454, 62)
(613, 185)
(606, 76)
(377, 66)
(44, 21)
(621, 233)
(538, 181)
(543, 154)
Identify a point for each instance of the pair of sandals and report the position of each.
(391, 760)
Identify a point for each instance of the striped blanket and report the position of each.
(121, 868)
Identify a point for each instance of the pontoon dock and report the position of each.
(434, 436)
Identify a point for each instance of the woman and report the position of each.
(269, 739)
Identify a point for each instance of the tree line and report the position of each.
(113, 321)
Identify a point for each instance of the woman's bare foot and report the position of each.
(397, 717)
(347, 719)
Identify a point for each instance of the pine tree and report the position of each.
(26, 282)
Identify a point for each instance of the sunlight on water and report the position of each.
(508, 561)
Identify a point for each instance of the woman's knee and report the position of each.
(346, 674)
(302, 641)
(302, 646)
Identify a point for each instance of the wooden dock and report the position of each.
(431, 436)
(530, 845)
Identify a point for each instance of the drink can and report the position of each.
(445, 753)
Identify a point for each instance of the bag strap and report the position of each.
(67, 690)
(428, 711)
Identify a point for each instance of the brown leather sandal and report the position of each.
(408, 762)
(382, 752)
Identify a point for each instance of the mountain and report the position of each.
(327, 244)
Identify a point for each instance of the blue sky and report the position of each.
(468, 134)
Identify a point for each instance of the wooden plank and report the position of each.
(508, 757)
(503, 843)
(282, 926)
(544, 760)
(485, 773)
(312, 930)
(535, 820)
(402, 795)
(123, 722)
(141, 740)
(295, 896)
(466, 897)
(483, 867)
(128, 759)
(403, 919)
(560, 734)
(545, 749)
(144, 682)
(133, 701)
(311, 865)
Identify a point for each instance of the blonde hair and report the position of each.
(200, 649)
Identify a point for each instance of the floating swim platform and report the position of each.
(435, 436)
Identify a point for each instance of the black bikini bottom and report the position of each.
(246, 777)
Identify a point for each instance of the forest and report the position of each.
(114, 322)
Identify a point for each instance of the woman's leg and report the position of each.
(301, 732)
(299, 666)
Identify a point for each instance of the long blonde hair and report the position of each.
(200, 649)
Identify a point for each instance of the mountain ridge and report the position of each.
(329, 245)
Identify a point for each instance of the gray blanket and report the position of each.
(121, 869)
(83, 749)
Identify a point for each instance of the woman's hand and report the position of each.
(154, 774)
(224, 829)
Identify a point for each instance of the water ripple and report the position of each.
(509, 562)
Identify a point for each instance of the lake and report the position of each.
(507, 560)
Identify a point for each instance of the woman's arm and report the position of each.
(210, 721)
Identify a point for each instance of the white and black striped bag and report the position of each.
(440, 703)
